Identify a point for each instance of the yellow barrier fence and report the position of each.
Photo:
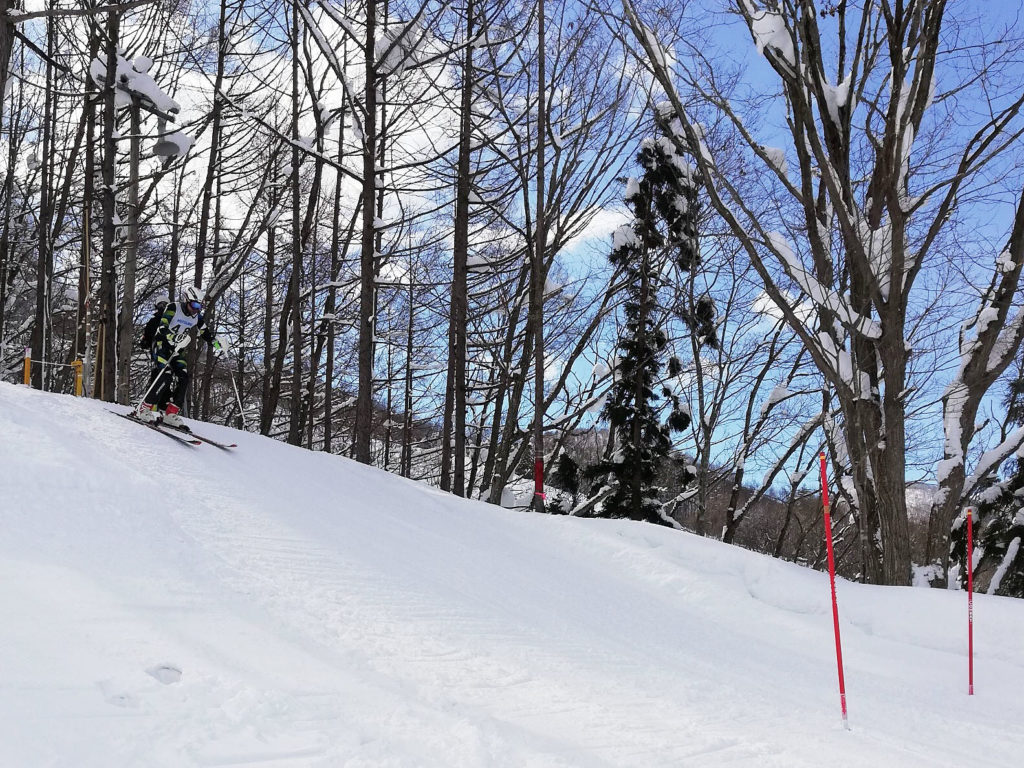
(76, 366)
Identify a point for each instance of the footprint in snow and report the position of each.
(113, 695)
(167, 674)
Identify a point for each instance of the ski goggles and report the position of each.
(195, 306)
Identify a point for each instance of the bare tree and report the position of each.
(873, 213)
(454, 420)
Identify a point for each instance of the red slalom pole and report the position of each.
(970, 601)
(832, 582)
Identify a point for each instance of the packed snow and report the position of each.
(173, 606)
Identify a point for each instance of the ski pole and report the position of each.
(166, 367)
(241, 413)
(161, 372)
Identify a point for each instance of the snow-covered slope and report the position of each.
(164, 605)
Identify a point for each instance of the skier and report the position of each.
(169, 380)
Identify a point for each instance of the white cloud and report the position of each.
(598, 232)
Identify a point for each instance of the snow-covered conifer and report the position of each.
(664, 228)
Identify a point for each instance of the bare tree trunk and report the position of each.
(494, 475)
(211, 311)
(502, 464)
(200, 394)
(271, 362)
(5, 235)
(44, 271)
(9, 266)
(406, 468)
(126, 324)
(478, 440)
(6, 47)
(107, 351)
(277, 368)
(316, 346)
(332, 291)
(538, 274)
(83, 342)
(175, 250)
(213, 162)
(389, 409)
(364, 401)
(295, 421)
(240, 351)
(455, 392)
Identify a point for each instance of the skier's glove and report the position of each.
(180, 344)
(220, 345)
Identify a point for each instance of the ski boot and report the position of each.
(146, 413)
(172, 416)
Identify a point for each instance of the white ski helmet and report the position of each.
(194, 293)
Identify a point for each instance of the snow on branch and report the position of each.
(770, 34)
(962, 394)
(955, 399)
(653, 45)
(1005, 343)
(837, 96)
(132, 79)
(1004, 565)
(831, 300)
(991, 460)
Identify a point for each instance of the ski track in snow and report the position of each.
(172, 606)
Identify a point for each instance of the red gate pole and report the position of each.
(538, 479)
(832, 582)
(970, 601)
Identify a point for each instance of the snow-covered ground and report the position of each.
(164, 605)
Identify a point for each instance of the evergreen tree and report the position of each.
(663, 230)
(565, 477)
(999, 533)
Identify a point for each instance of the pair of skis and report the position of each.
(181, 434)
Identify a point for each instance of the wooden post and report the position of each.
(76, 365)
(28, 366)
